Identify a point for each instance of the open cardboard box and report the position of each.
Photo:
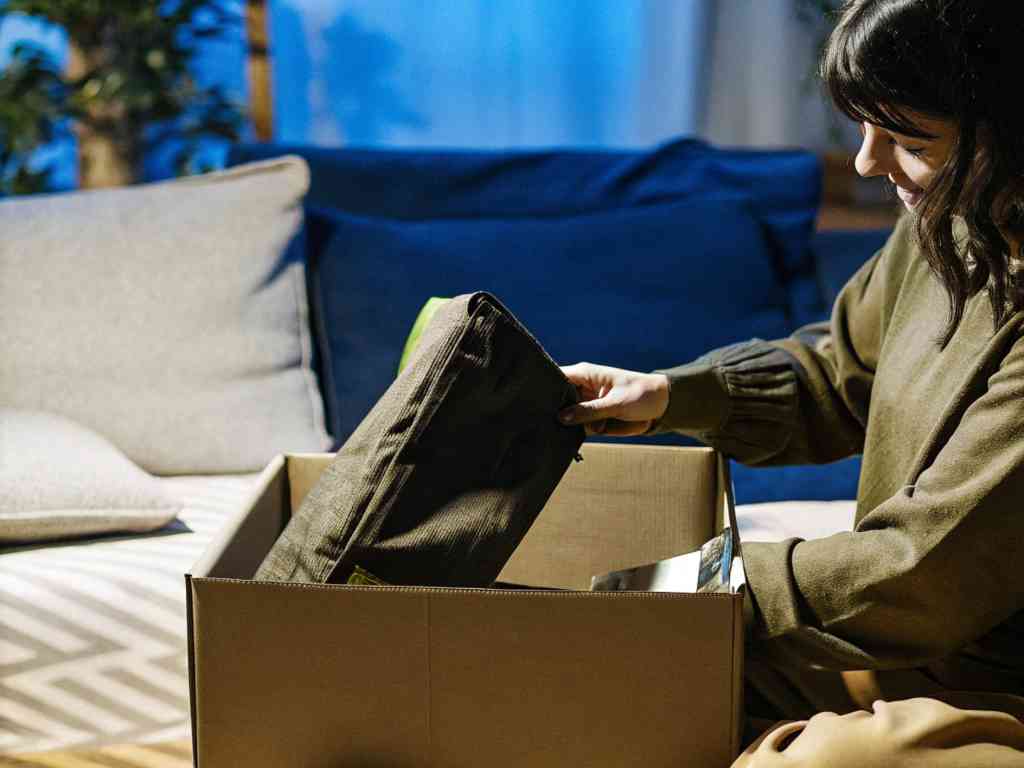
(324, 676)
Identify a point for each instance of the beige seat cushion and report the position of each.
(779, 520)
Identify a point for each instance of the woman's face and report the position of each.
(909, 163)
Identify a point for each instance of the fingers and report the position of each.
(613, 401)
(590, 411)
(588, 377)
(580, 373)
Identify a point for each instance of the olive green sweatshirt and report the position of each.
(932, 572)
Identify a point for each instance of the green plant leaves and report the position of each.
(131, 82)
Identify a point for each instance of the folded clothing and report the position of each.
(446, 474)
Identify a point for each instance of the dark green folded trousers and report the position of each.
(448, 471)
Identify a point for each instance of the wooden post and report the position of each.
(850, 202)
(260, 86)
(105, 158)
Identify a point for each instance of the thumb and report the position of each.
(590, 411)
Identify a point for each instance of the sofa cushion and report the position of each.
(783, 520)
(836, 480)
(520, 223)
(642, 259)
(838, 254)
(377, 274)
(170, 317)
(60, 479)
(783, 188)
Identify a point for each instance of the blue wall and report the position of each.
(469, 73)
(488, 73)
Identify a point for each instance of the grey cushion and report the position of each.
(170, 317)
(60, 479)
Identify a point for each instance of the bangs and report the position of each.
(862, 76)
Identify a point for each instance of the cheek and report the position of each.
(917, 171)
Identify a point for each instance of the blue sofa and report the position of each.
(641, 260)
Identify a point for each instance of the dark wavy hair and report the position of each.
(958, 60)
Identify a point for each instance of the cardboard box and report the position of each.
(325, 676)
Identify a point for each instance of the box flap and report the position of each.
(726, 495)
(240, 545)
(622, 505)
(304, 470)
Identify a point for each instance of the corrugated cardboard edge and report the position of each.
(727, 518)
(271, 473)
(214, 551)
(191, 668)
(737, 673)
(725, 492)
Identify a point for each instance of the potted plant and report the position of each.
(126, 89)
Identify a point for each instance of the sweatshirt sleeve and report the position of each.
(799, 400)
(927, 571)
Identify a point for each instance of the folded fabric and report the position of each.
(60, 479)
(448, 471)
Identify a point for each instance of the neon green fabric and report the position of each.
(433, 304)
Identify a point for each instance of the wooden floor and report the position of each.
(174, 754)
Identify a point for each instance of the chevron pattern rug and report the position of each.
(175, 754)
(92, 635)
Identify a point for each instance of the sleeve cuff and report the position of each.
(698, 400)
(772, 604)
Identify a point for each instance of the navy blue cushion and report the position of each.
(624, 288)
(837, 480)
(839, 253)
(783, 188)
(636, 259)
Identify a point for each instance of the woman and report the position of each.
(921, 369)
(919, 733)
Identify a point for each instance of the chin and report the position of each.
(909, 198)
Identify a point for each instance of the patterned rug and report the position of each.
(92, 634)
(174, 754)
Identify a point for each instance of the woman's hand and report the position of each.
(767, 748)
(614, 401)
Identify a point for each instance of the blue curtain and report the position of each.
(459, 73)
(488, 73)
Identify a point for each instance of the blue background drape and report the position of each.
(500, 73)
(512, 73)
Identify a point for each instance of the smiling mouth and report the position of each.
(910, 197)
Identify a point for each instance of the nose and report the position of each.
(874, 154)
